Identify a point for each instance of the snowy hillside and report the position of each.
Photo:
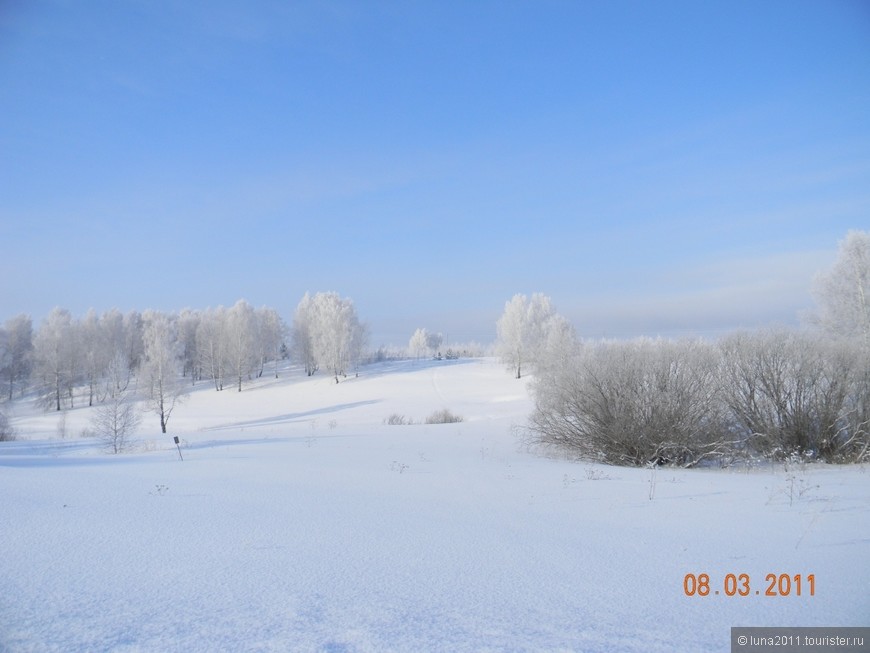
(300, 521)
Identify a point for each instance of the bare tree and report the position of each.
(115, 420)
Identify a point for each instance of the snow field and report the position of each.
(299, 521)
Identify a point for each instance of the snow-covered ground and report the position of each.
(299, 521)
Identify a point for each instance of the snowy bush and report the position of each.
(793, 392)
(397, 420)
(633, 403)
(769, 393)
(443, 416)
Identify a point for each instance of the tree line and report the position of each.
(776, 392)
(104, 358)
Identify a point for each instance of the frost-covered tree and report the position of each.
(16, 352)
(188, 323)
(116, 373)
(843, 292)
(241, 345)
(338, 336)
(433, 342)
(95, 353)
(522, 330)
(271, 332)
(160, 369)
(303, 350)
(135, 346)
(419, 342)
(54, 354)
(559, 342)
(359, 341)
(211, 343)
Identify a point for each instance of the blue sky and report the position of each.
(654, 167)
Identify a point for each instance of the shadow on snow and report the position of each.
(59, 454)
(291, 418)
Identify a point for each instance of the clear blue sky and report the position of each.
(654, 167)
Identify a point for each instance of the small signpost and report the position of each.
(178, 446)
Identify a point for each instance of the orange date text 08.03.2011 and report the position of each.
(741, 585)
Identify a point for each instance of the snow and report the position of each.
(299, 521)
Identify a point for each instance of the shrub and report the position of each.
(773, 393)
(796, 393)
(397, 420)
(443, 416)
(633, 403)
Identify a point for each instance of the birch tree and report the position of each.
(133, 332)
(52, 350)
(418, 343)
(338, 334)
(240, 335)
(210, 344)
(522, 330)
(188, 323)
(303, 335)
(94, 353)
(115, 420)
(271, 332)
(160, 371)
(117, 373)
